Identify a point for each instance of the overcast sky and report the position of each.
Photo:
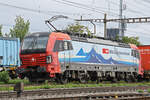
(37, 11)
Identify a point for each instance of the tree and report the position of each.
(1, 31)
(132, 40)
(20, 29)
(77, 28)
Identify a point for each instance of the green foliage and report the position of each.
(4, 77)
(132, 40)
(77, 28)
(20, 29)
(1, 31)
(6, 88)
(140, 91)
(148, 90)
(48, 85)
(14, 81)
(117, 37)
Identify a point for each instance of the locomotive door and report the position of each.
(134, 56)
(66, 45)
(67, 53)
(63, 47)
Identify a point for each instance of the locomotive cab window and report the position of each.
(65, 45)
(61, 45)
(135, 53)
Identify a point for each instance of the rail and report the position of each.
(74, 92)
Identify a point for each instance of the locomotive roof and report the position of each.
(39, 34)
(100, 41)
(94, 39)
(84, 38)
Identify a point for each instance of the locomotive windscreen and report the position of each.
(34, 44)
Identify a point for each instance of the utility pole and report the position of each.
(121, 31)
(126, 20)
(105, 26)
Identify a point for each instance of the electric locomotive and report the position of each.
(64, 56)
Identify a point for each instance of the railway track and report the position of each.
(107, 96)
(97, 92)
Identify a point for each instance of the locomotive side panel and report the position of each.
(90, 57)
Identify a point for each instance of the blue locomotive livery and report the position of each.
(97, 58)
(99, 54)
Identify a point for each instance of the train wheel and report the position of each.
(133, 79)
(41, 81)
(22, 76)
(12, 74)
(139, 78)
(63, 79)
(99, 79)
(31, 80)
(130, 78)
(82, 78)
(114, 80)
(127, 79)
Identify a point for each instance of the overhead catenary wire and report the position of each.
(114, 3)
(140, 6)
(135, 11)
(84, 7)
(77, 6)
(141, 11)
(88, 6)
(11, 26)
(37, 11)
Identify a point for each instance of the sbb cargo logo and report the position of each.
(105, 51)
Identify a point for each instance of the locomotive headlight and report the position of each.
(49, 59)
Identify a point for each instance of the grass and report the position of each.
(18, 81)
(14, 81)
(140, 91)
(6, 88)
(46, 85)
(148, 90)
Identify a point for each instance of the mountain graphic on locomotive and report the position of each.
(64, 56)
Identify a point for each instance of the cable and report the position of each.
(22, 8)
(82, 6)
(37, 11)
(77, 6)
(114, 3)
(137, 6)
(89, 6)
(8, 25)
